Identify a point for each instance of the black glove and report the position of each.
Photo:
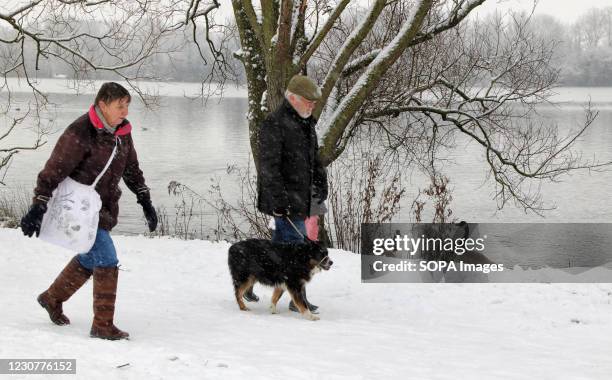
(280, 211)
(30, 223)
(149, 211)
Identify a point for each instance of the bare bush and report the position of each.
(189, 207)
(13, 206)
(241, 219)
(230, 219)
(365, 186)
(440, 195)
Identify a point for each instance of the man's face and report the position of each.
(116, 111)
(302, 105)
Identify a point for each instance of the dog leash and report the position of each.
(296, 229)
(306, 239)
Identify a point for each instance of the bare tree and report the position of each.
(593, 27)
(414, 74)
(411, 72)
(484, 81)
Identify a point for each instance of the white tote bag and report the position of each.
(73, 212)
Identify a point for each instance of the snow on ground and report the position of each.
(176, 300)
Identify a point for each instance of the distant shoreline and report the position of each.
(563, 95)
(171, 89)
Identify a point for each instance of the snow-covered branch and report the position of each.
(360, 62)
(457, 14)
(484, 85)
(349, 47)
(256, 27)
(369, 79)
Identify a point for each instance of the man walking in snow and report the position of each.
(291, 176)
(81, 154)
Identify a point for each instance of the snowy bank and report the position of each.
(176, 300)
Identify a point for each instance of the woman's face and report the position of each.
(116, 111)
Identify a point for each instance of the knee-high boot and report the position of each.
(70, 279)
(104, 296)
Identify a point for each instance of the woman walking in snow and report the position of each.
(81, 153)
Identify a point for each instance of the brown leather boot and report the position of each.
(71, 278)
(104, 295)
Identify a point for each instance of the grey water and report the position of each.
(193, 143)
(183, 141)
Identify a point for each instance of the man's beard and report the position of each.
(305, 115)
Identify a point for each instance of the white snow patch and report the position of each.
(264, 101)
(323, 123)
(294, 18)
(258, 13)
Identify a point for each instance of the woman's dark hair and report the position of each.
(111, 91)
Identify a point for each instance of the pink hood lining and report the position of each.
(123, 129)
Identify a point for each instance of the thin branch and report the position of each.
(314, 45)
(457, 15)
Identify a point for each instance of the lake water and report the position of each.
(191, 143)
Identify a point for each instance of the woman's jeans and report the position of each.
(102, 254)
(284, 231)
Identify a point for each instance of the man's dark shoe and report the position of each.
(313, 308)
(250, 296)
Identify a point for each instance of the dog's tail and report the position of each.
(234, 250)
(235, 255)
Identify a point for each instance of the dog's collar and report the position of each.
(323, 259)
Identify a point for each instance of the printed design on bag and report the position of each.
(85, 205)
(63, 211)
(61, 202)
(66, 203)
(72, 217)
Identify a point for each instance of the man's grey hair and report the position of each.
(287, 93)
